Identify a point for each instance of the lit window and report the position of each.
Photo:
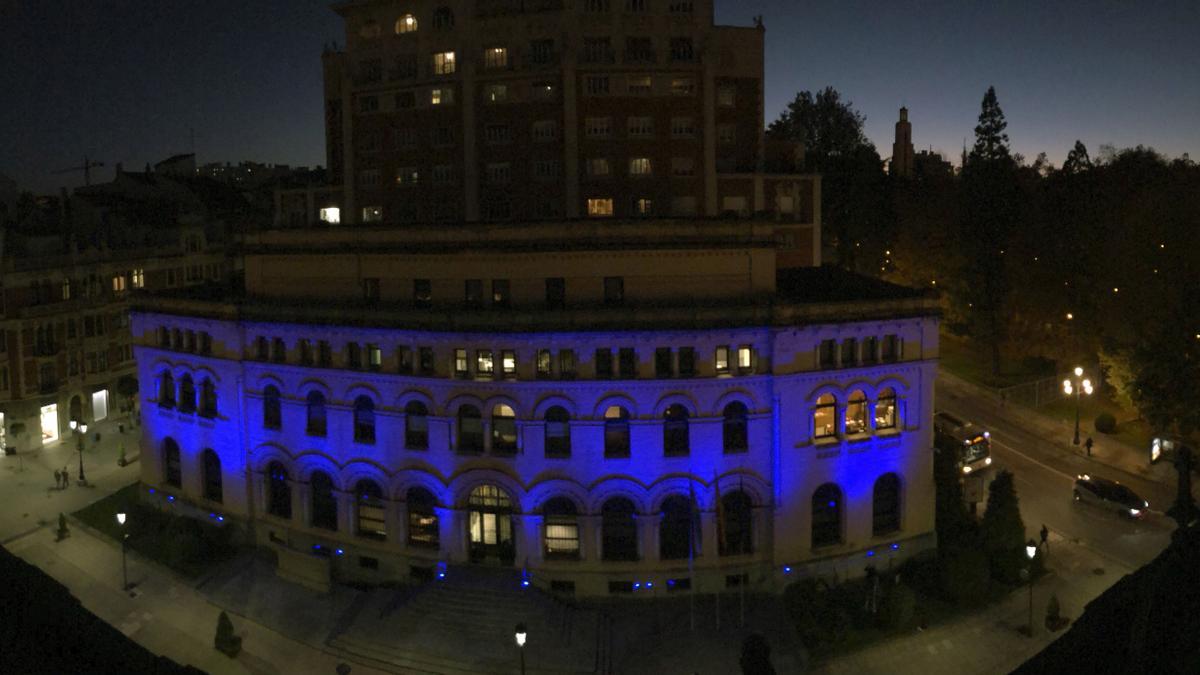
(495, 57)
(825, 417)
(683, 86)
(372, 214)
(639, 166)
(643, 206)
(441, 96)
(484, 363)
(118, 283)
(495, 93)
(856, 414)
(597, 167)
(443, 63)
(406, 24)
(508, 361)
(745, 355)
(543, 91)
(331, 215)
(639, 84)
(885, 409)
(407, 175)
(374, 357)
(460, 362)
(562, 529)
(722, 360)
(602, 206)
(138, 275)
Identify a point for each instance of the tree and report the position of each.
(991, 143)
(1002, 532)
(955, 527)
(1077, 159)
(63, 532)
(1118, 373)
(827, 126)
(226, 641)
(756, 656)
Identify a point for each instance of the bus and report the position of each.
(972, 445)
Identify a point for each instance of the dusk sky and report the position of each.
(126, 80)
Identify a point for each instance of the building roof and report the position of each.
(807, 285)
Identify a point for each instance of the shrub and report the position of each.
(899, 607)
(63, 532)
(1106, 423)
(225, 641)
(756, 656)
(964, 576)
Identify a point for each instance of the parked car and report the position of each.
(1109, 494)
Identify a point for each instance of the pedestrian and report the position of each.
(1088, 444)
(57, 479)
(66, 478)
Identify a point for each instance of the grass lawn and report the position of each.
(186, 545)
(973, 363)
(1129, 429)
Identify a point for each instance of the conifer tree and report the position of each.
(1002, 531)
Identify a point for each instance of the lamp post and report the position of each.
(124, 539)
(520, 635)
(1030, 552)
(1077, 387)
(80, 430)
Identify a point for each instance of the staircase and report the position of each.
(465, 624)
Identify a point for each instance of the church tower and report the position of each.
(902, 149)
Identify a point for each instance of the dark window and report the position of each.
(826, 516)
(470, 429)
(473, 292)
(261, 348)
(422, 518)
(324, 504)
(172, 470)
(627, 363)
(354, 356)
(370, 288)
(737, 526)
(543, 363)
(681, 49)
(208, 399)
(272, 409)
(541, 52)
(566, 364)
(663, 367)
(616, 432)
(425, 361)
(891, 348)
(416, 426)
(604, 363)
(404, 360)
(368, 563)
(675, 431)
(316, 414)
(368, 500)
(504, 430)
(849, 352)
(687, 361)
(443, 18)
(558, 432)
(870, 350)
(279, 491)
(166, 391)
(205, 343)
(324, 354)
(501, 293)
(364, 420)
(213, 489)
(618, 530)
(187, 394)
(556, 292)
(734, 428)
(422, 292)
(562, 529)
(614, 290)
(885, 505)
(306, 352)
(278, 350)
(828, 353)
(676, 530)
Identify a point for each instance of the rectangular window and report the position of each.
(541, 52)
(495, 58)
(473, 292)
(543, 363)
(368, 104)
(643, 206)
(407, 176)
(596, 5)
(138, 275)
(556, 292)
(683, 166)
(566, 364)
(745, 355)
(687, 361)
(443, 63)
(404, 360)
(501, 292)
(597, 127)
(627, 363)
(547, 169)
(827, 354)
(353, 356)
(370, 286)
(442, 174)
(600, 206)
(726, 133)
(726, 95)
(680, 6)
(508, 362)
(324, 354)
(614, 290)
(443, 136)
(640, 127)
(604, 363)
(205, 343)
(596, 85)
(635, 5)
(374, 357)
(498, 173)
(681, 49)
(278, 348)
(683, 86)
(597, 50)
(721, 360)
(545, 130)
(639, 85)
(404, 67)
(639, 166)
(496, 134)
(495, 93)
(372, 214)
(639, 50)
(306, 352)
(118, 284)
(597, 167)
(368, 178)
(425, 361)
(543, 91)
(663, 363)
(484, 364)
(683, 127)
(460, 363)
(422, 292)
(441, 96)
(849, 352)
(870, 349)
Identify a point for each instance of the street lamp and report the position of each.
(80, 430)
(1077, 387)
(1031, 551)
(520, 635)
(124, 539)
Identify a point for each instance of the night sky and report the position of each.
(128, 80)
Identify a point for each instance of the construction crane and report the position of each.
(87, 167)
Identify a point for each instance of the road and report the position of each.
(1044, 476)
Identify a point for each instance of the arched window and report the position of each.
(324, 504)
(826, 516)
(172, 470)
(166, 390)
(470, 429)
(406, 24)
(825, 417)
(562, 528)
(885, 505)
(364, 420)
(422, 518)
(272, 410)
(618, 530)
(213, 488)
(885, 409)
(675, 531)
(279, 491)
(675, 431)
(856, 413)
(504, 430)
(443, 18)
(734, 428)
(316, 414)
(558, 432)
(416, 426)
(737, 524)
(187, 394)
(370, 508)
(616, 432)
(208, 399)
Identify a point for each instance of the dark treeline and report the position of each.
(1098, 258)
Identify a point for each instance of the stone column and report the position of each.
(397, 525)
(301, 512)
(451, 534)
(527, 530)
(648, 536)
(590, 533)
(708, 536)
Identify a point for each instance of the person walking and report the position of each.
(66, 478)
(1088, 444)
(57, 479)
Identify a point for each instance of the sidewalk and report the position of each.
(162, 612)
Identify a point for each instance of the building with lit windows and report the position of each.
(600, 405)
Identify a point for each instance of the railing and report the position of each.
(1048, 389)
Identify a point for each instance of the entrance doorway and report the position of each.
(491, 525)
(99, 405)
(49, 423)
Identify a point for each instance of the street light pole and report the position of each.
(80, 430)
(1030, 552)
(124, 541)
(1077, 388)
(520, 635)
